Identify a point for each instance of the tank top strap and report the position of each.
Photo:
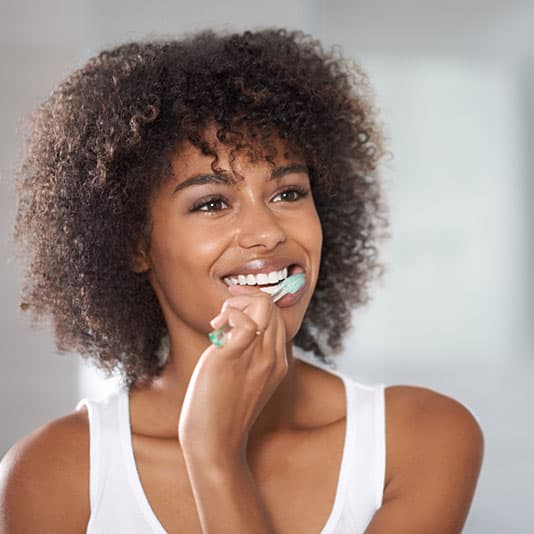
(365, 473)
(368, 426)
(103, 417)
(380, 441)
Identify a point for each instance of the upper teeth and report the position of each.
(256, 279)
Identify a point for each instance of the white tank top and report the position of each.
(119, 504)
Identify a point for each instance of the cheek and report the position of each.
(189, 251)
(182, 261)
(313, 233)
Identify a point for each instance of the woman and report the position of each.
(168, 191)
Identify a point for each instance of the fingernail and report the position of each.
(217, 321)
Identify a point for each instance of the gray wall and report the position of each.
(38, 46)
(455, 312)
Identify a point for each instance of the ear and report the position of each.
(141, 260)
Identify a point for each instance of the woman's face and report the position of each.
(209, 230)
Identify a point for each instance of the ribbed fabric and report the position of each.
(120, 506)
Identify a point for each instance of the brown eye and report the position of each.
(210, 205)
(292, 194)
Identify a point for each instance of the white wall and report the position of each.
(457, 286)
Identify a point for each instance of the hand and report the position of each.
(230, 385)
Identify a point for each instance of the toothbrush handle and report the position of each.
(218, 337)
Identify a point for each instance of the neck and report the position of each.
(155, 409)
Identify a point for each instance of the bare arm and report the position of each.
(44, 480)
(227, 498)
(228, 389)
(436, 450)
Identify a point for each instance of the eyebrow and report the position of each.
(202, 179)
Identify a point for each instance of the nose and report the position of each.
(259, 226)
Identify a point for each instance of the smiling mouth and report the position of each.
(268, 282)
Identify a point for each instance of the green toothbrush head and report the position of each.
(290, 285)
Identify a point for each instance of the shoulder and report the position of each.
(434, 454)
(424, 409)
(44, 478)
(431, 422)
(416, 413)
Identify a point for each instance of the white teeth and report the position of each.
(259, 279)
(263, 279)
(273, 278)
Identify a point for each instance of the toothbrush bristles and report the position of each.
(290, 285)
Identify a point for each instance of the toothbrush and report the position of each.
(290, 285)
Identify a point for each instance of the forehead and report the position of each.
(231, 161)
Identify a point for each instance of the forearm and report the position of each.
(227, 498)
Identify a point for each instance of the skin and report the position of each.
(244, 423)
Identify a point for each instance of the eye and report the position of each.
(210, 204)
(292, 194)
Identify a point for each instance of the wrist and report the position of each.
(219, 461)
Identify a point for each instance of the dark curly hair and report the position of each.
(101, 144)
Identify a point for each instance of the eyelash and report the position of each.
(300, 191)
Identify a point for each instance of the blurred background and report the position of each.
(455, 312)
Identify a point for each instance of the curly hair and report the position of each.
(101, 144)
